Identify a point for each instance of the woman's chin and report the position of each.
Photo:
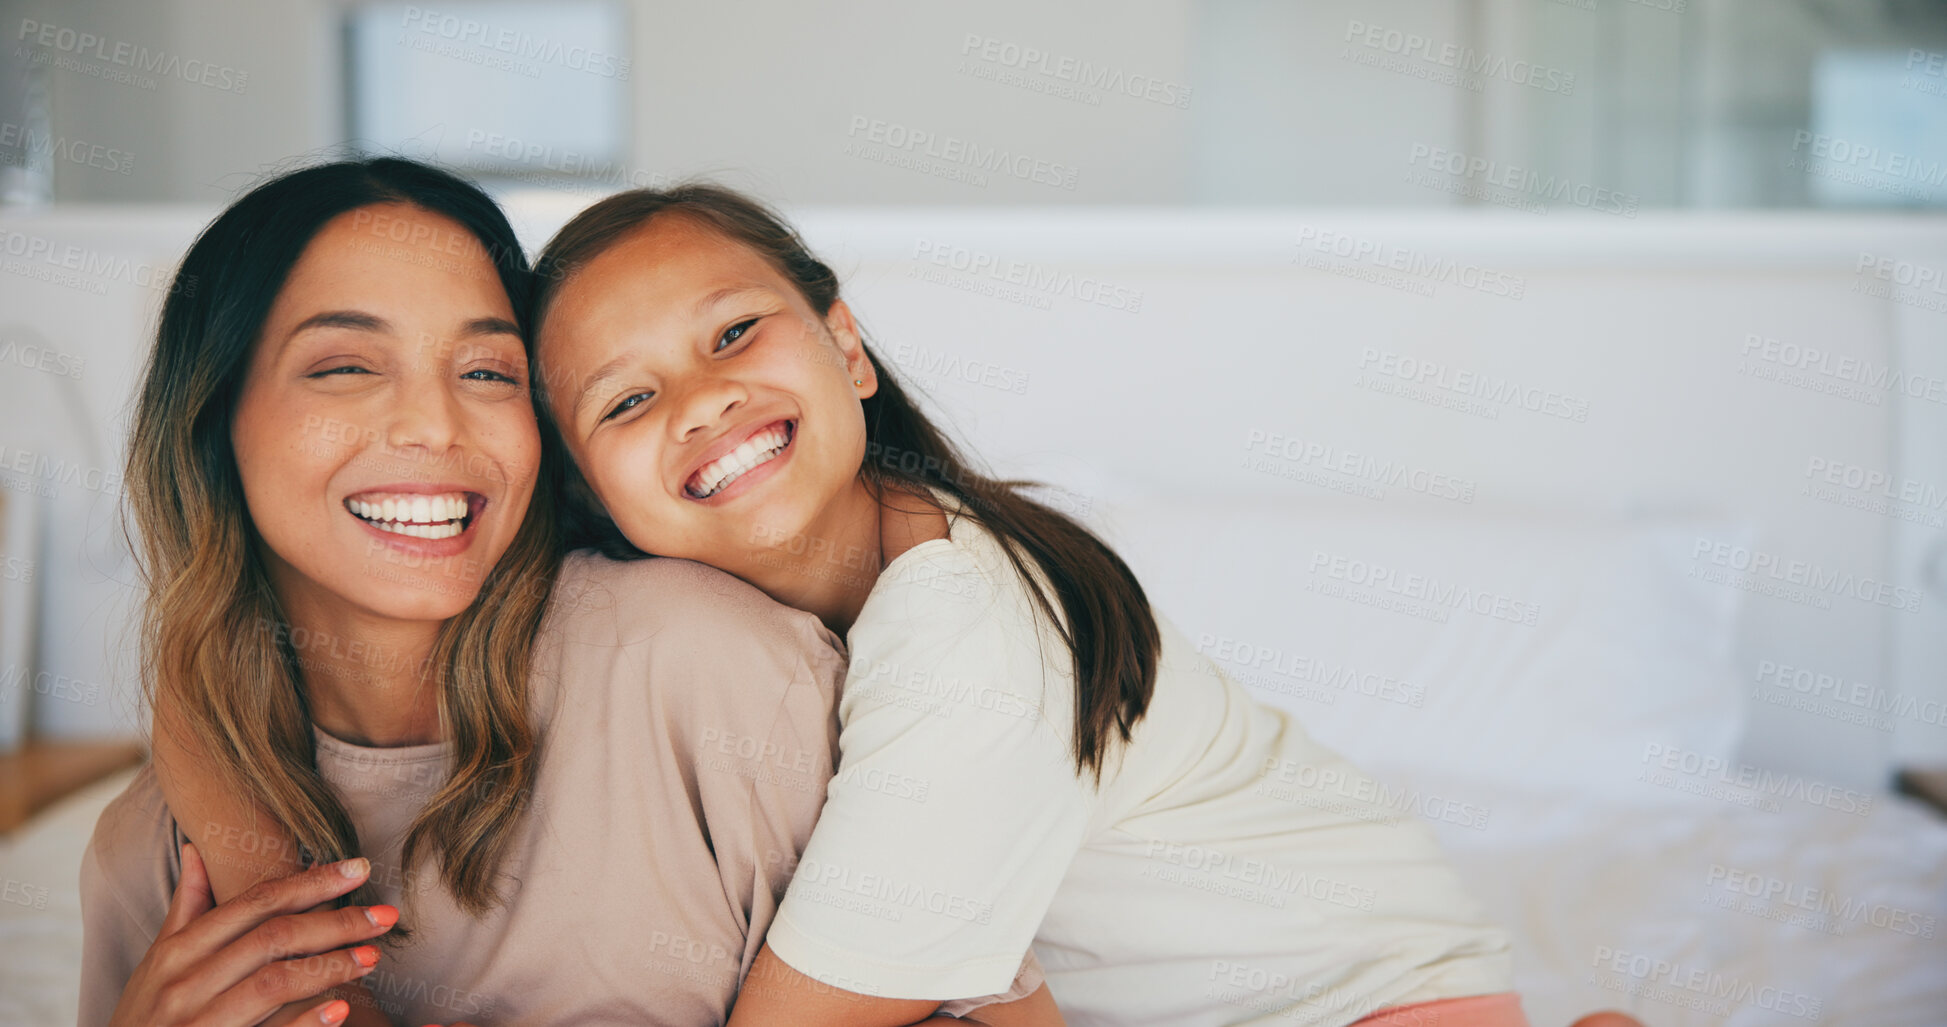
(420, 595)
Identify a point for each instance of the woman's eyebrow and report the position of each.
(489, 326)
(357, 320)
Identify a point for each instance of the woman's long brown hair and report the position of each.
(218, 658)
(1105, 621)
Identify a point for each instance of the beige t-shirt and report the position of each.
(688, 731)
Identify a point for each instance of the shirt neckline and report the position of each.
(374, 755)
(954, 513)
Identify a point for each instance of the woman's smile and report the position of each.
(407, 515)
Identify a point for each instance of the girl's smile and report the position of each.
(735, 463)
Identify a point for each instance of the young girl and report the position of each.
(1027, 753)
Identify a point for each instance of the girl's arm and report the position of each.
(951, 718)
(775, 994)
(241, 845)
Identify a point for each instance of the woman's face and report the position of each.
(711, 409)
(384, 435)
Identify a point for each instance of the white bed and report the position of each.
(1570, 878)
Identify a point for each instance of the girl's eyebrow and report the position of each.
(725, 293)
(601, 374)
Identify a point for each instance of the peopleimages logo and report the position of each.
(1461, 60)
(895, 138)
(514, 43)
(56, 41)
(1743, 781)
(1683, 984)
(1762, 565)
(1074, 71)
(1522, 182)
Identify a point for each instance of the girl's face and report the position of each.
(711, 409)
(384, 435)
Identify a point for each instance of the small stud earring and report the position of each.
(858, 381)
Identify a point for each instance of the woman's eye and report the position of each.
(632, 401)
(485, 374)
(346, 369)
(737, 331)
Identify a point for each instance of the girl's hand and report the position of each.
(235, 964)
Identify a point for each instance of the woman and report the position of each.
(580, 793)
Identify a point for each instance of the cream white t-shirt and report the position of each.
(1228, 869)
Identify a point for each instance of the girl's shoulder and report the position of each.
(963, 588)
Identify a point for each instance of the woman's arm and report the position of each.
(241, 847)
(775, 994)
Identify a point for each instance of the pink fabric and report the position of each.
(1501, 1009)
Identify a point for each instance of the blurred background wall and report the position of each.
(1671, 103)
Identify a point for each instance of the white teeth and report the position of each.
(442, 516)
(445, 530)
(755, 451)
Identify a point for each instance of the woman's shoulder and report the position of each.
(131, 859)
(688, 638)
(655, 598)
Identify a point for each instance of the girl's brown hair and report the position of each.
(1105, 620)
(219, 662)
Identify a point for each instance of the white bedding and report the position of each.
(40, 939)
(1569, 878)
(1853, 931)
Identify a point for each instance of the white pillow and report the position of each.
(1535, 653)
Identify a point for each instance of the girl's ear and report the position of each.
(845, 332)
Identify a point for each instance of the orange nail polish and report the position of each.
(382, 916)
(335, 1012)
(367, 956)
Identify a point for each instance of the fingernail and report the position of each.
(355, 867)
(382, 916)
(336, 1012)
(367, 956)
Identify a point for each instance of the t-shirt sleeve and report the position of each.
(738, 697)
(761, 774)
(127, 874)
(957, 807)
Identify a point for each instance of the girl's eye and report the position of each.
(490, 375)
(346, 369)
(632, 401)
(737, 331)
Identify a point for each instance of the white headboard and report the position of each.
(1122, 352)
